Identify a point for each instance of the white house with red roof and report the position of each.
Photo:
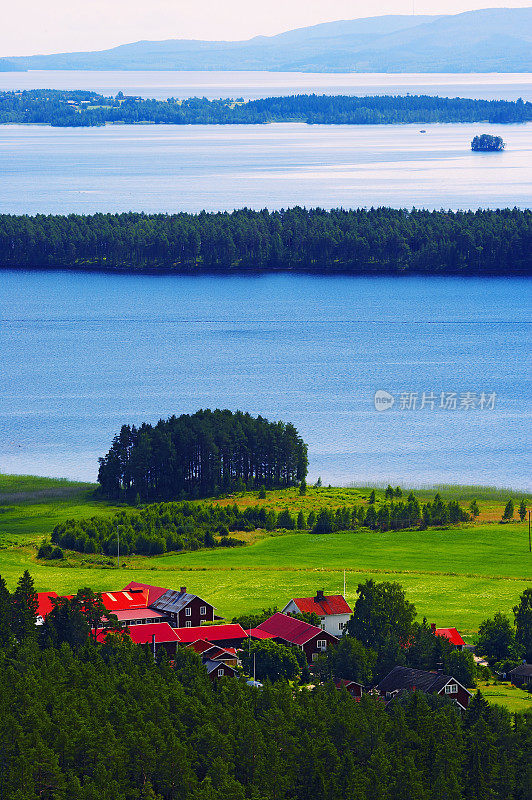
(332, 609)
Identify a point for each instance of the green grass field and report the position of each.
(456, 577)
(504, 694)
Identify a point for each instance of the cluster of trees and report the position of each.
(487, 143)
(107, 722)
(504, 644)
(202, 454)
(509, 510)
(177, 526)
(391, 516)
(378, 240)
(152, 530)
(82, 108)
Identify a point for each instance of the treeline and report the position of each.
(202, 454)
(165, 527)
(107, 722)
(378, 240)
(83, 108)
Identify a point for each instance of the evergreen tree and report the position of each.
(522, 510)
(24, 607)
(523, 624)
(508, 511)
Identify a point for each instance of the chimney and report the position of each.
(433, 627)
(320, 595)
(183, 590)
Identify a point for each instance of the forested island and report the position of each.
(360, 241)
(202, 454)
(81, 108)
(487, 143)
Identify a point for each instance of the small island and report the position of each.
(487, 144)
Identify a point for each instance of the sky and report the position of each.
(51, 26)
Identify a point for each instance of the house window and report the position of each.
(203, 610)
(321, 644)
(341, 626)
(188, 612)
(314, 656)
(451, 688)
(220, 673)
(188, 624)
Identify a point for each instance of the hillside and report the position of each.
(490, 40)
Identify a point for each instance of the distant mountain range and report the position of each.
(490, 40)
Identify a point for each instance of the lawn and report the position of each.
(456, 577)
(504, 694)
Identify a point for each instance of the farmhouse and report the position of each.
(332, 609)
(405, 679)
(451, 634)
(521, 675)
(184, 610)
(282, 628)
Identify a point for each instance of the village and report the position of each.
(156, 617)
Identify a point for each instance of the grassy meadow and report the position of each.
(456, 576)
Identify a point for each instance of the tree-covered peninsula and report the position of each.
(360, 241)
(84, 108)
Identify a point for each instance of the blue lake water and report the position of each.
(82, 354)
(188, 168)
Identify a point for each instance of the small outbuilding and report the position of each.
(521, 676)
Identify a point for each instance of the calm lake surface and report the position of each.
(249, 85)
(82, 354)
(188, 168)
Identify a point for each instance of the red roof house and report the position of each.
(332, 609)
(45, 605)
(451, 634)
(256, 633)
(309, 638)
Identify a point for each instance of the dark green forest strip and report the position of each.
(374, 241)
(83, 108)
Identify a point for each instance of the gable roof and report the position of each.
(452, 635)
(522, 669)
(154, 592)
(406, 679)
(45, 605)
(211, 633)
(330, 605)
(291, 630)
(142, 634)
(200, 645)
(174, 601)
(347, 683)
(210, 666)
(124, 599)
